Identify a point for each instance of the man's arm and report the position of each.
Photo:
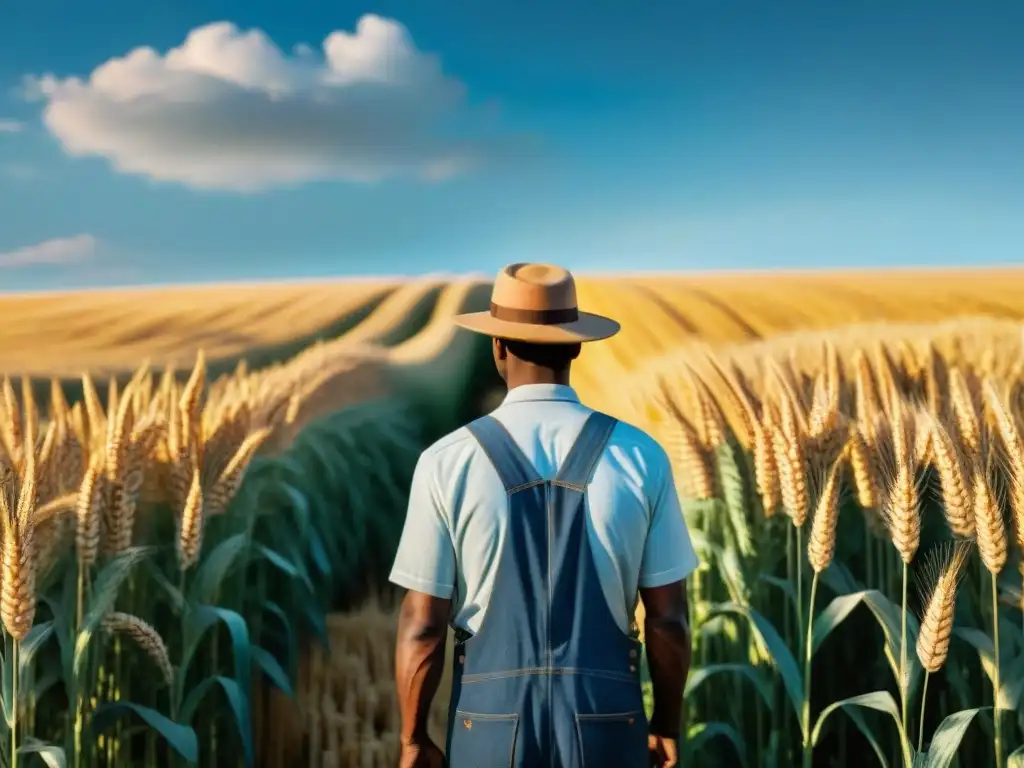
(667, 640)
(425, 566)
(419, 660)
(669, 557)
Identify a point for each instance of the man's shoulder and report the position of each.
(637, 442)
(449, 448)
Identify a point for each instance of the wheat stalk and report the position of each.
(991, 538)
(821, 547)
(1013, 451)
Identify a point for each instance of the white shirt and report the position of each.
(636, 530)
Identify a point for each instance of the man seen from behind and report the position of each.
(532, 532)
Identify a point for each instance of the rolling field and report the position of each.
(841, 442)
(104, 331)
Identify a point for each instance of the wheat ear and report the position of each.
(988, 521)
(863, 472)
(944, 569)
(821, 547)
(965, 411)
(766, 468)
(903, 516)
(190, 533)
(792, 461)
(821, 544)
(954, 480)
(1013, 450)
(991, 538)
(146, 637)
(689, 459)
(231, 478)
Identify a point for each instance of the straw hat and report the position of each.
(537, 303)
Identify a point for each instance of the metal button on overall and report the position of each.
(542, 683)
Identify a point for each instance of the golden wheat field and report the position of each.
(202, 489)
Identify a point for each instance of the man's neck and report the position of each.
(560, 378)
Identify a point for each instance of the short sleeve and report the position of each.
(668, 553)
(426, 556)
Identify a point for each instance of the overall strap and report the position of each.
(513, 467)
(586, 451)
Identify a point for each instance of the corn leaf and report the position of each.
(1011, 684)
(181, 737)
(728, 565)
(291, 641)
(1010, 636)
(781, 656)
(298, 502)
(831, 617)
(62, 629)
(44, 682)
(882, 701)
(888, 616)
(287, 540)
(272, 669)
(1016, 759)
(27, 650)
(104, 594)
(238, 702)
(782, 584)
(52, 755)
(199, 621)
(749, 672)
(715, 626)
(866, 731)
(214, 569)
(698, 736)
(838, 578)
(283, 564)
(313, 614)
(1012, 675)
(34, 641)
(8, 692)
(947, 737)
(171, 592)
(319, 554)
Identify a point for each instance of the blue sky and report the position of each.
(607, 136)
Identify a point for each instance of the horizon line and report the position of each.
(444, 274)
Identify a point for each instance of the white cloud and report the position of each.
(10, 126)
(228, 110)
(61, 250)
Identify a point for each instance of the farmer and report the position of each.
(530, 531)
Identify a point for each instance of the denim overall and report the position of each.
(549, 680)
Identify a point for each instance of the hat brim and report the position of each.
(589, 327)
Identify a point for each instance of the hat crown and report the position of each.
(534, 287)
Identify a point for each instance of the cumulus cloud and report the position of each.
(10, 126)
(228, 110)
(61, 250)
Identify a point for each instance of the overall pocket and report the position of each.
(613, 741)
(483, 741)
